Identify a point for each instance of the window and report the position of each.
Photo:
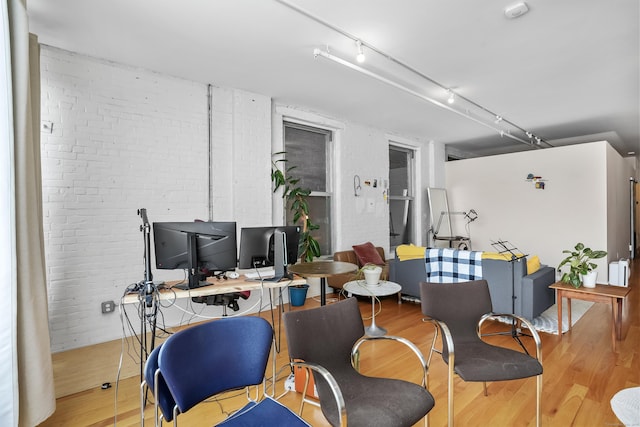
(308, 150)
(401, 196)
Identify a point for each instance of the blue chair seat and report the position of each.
(266, 413)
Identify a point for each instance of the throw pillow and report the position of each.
(533, 264)
(367, 254)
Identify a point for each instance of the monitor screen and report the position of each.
(196, 246)
(257, 246)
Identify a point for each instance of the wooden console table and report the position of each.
(613, 295)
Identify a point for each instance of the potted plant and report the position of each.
(296, 198)
(581, 269)
(371, 273)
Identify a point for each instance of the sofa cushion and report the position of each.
(367, 254)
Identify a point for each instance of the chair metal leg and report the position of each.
(538, 400)
(143, 387)
(450, 395)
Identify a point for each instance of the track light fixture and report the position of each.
(360, 56)
(452, 97)
(467, 108)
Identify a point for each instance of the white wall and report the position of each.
(619, 172)
(577, 204)
(125, 138)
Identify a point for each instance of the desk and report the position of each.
(613, 295)
(383, 288)
(322, 269)
(215, 287)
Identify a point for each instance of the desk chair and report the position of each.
(327, 341)
(458, 310)
(227, 354)
(153, 381)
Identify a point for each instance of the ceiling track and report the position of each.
(532, 141)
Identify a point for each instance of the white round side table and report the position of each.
(383, 288)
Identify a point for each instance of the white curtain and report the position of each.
(31, 359)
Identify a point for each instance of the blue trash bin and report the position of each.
(298, 294)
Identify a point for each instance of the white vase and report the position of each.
(589, 279)
(372, 275)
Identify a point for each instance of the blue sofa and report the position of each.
(512, 289)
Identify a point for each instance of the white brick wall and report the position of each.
(123, 139)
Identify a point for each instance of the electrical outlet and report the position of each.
(108, 307)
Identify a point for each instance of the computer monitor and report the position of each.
(258, 247)
(199, 247)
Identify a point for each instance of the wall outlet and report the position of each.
(108, 307)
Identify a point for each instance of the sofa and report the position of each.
(336, 282)
(512, 289)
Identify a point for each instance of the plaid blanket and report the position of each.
(446, 265)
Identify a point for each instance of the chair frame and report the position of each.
(355, 362)
(447, 336)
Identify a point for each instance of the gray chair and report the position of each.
(458, 310)
(327, 341)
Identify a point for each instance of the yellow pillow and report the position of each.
(533, 264)
(504, 256)
(411, 251)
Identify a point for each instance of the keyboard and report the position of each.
(267, 273)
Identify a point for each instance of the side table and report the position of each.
(322, 269)
(613, 295)
(383, 288)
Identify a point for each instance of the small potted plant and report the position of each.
(371, 273)
(581, 269)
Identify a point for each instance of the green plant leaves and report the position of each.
(579, 262)
(296, 198)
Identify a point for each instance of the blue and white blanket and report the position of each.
(446, 265)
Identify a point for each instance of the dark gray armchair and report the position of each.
(327, 339)
(458, 310)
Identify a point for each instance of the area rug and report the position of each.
(548, 320)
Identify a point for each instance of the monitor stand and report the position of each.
(279, 258)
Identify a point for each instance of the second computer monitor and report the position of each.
(257, 246)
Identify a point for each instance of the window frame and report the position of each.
(305, 119)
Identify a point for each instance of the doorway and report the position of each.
(401, 196)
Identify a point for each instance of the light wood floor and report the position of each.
(581, 374)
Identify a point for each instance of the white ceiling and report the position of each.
(567, 71)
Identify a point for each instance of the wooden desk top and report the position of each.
(322, 268)
(600, 290)
(216, 287)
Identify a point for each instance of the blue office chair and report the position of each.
(227, 354)
(154, 382)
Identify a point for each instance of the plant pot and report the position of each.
(372, 275)
(589, 279)
(298, 295)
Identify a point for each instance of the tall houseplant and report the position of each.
(296, 197)
(579, 262)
